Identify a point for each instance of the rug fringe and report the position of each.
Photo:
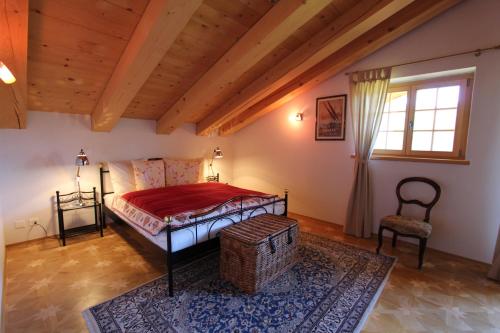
(374, 300)
(90, 321)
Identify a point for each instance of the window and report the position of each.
(426, 119)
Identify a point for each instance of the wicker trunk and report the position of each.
(256, 251)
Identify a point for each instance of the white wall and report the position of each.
(36, 162)
(274, 153)
(2, 267)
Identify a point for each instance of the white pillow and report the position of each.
(122, 176)
(179, 172)
(149, 174)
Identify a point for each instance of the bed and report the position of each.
(184, 220)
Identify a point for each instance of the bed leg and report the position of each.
(101, 182)
(286, 203)
(169, 258)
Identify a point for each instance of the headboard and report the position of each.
(103, 170)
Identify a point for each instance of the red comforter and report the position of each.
(173, 200)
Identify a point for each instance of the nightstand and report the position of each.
(212, 179)
(72, 201)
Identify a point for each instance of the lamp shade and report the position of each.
(81, 159)
(218, 153)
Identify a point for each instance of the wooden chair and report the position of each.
(408, 226)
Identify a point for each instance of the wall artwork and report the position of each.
(330, 117)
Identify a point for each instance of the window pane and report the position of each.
(380, 143)
(397, 121)
(398, 101)
(395, 140)
(424, 120)
(383, 124)
(426, 99)
(421, 141)
(448, 97)
(387, 102)
(443, 141)
(445, 119)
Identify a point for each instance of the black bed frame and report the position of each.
(203, 247)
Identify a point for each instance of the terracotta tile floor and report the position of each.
(47, 286)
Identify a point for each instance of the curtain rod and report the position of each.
(476, 52)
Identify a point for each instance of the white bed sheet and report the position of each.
(186, 237)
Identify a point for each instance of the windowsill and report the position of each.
(418, 159)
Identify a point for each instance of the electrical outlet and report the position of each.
(33, 221)
(19, 224)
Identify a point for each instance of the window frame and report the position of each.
(466, 82)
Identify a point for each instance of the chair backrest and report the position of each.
(428, 206)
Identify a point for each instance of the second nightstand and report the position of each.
(71, 201)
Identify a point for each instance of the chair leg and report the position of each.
(394, 239)
(380, 238)
(423, 246)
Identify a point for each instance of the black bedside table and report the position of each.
(71, 201)
(212, 179)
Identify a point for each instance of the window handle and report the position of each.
(410, 125)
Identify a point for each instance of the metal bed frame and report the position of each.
(203, 247)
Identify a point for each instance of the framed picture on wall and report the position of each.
(330, 117)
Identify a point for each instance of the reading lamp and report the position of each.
(215, 155)
(6, 75)
(81, 160)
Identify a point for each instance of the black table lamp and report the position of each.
(81, 160)
(217, 154)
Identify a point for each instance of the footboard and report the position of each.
(235, 210)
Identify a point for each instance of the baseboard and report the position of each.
(386, 238)
(34, 240)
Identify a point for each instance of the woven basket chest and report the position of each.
(256, 251)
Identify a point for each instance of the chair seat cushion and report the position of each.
(407, 225)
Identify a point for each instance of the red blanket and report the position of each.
(173, 200)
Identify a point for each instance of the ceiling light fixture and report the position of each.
(6, 75)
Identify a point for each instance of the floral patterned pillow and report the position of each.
(179, 172)
(149, 174)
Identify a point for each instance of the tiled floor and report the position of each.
(47, 286)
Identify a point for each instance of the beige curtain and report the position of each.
(368, 94)
(495, 267)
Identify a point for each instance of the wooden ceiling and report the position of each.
(217, 63)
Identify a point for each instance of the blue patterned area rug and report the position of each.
(333, 288)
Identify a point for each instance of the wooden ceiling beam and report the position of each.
(14, 54)
(156, 32)
(394, 27)
(361, 18)
(280, 22)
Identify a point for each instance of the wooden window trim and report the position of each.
(461, 128)
(417, 159)
(420, 159)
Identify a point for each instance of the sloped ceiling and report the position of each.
(227, 63)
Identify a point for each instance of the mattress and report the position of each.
(183, 237)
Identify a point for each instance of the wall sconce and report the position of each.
(299, 116)
(6, 75)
